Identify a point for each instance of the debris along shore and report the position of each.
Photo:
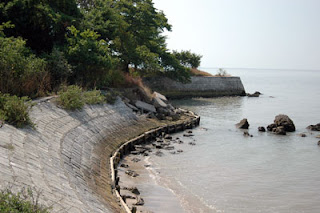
(150, 141)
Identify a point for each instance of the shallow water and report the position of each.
(227, 172)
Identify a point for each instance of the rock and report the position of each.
(160, 96)
(179, 150)
(246, 133)
(134, 190)
(145, 107)
(159, 154)
(189, 132)
(168, 137)
(280, 130)
(136, 160)
(147, 165)
(127, 197)
(243, 124)
(157, 102)
(1, 123)
(281, 125)
(261, 129)
(140, 202)
(188, 135)
(318, 136)
(124, 165)
(159, 146)
(132, 107)
(192, 143)
(286, 122)
(169, 148)
(132, 173)
(318, 143)
(256, 94)
(302, 135)
(271, 127)
(311, 127)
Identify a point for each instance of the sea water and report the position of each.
(228, 172)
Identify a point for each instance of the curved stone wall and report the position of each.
(67, 155)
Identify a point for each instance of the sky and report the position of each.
(263, 34)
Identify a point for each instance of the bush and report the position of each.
(21, 73)
(93, 97)
(71, 97)
(25, 201)
(15, 110)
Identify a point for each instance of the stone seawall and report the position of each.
(198, 87)
(67, 155)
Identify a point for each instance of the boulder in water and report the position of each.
(314, 127)
(243, 124)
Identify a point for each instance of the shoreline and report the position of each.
(67, 154)
(146, 138)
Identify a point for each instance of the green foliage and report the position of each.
(188, 59)
(89, 55)
(25, 201)
(58, 67)
(71, 97)
(93, 97)
(21, 73)
(42, 23)
(15, 110)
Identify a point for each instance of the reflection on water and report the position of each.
(227, 172)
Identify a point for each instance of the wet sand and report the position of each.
(156, 198)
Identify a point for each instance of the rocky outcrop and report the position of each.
(261, 129)
(281, 125)
(243, 124)
(314, 127)
(256, 94)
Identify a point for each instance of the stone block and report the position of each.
(146, 107)
(158, 95)
(158, 102)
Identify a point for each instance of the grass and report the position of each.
(196, 72)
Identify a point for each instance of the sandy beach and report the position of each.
(152, 195)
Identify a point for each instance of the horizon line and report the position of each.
(253, 68)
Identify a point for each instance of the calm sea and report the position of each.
(227, 172)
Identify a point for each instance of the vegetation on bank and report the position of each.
(26, 201)
(93, 44)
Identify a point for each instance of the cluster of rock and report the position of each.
(282, 124)
(156, 107)
(314, 127)
(158, 146)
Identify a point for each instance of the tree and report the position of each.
(88, 54)
(188, 59)
(42, 23)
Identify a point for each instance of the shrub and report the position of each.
(71, 97)
(25, 201)
(21, 73)
(93, 97)
(15, 110)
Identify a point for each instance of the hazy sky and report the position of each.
(280, 34)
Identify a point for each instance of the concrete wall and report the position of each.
(67, 155)
(199, 87)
